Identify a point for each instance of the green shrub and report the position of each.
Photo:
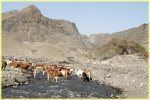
(138, 45)
(116, 46)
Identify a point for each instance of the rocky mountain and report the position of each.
(89, 44)
(139, 34)
(31, 26)
(99, 39)
(41, 36)
(28, 32)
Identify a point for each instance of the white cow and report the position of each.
(79, 72)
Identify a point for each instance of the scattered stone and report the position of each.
(9, 75)
(21, 96)
(108, 76)
(26, 83)
(124, 72)
(15, 86)
(102, 82)
(16, 83)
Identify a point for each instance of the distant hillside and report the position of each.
(117, 46)
(87, 42)
(139, 34)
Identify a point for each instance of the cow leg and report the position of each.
(34, 73)
(84, 78)
(20, 70)
(40, 73)
(66, 76)
(56, 79)
(80, 75)
(48, 77)
(88, 75)
(27, 69)
(43, 72)
(53, 78)
(88, 79)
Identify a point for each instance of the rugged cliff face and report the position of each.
(31, 34)
(99, 39)
(31, 26)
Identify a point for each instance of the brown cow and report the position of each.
(41, 67)
(25, 66)
(36, 68)
(4, 64)
(54, 73)
(50, 67)
(14, 65)
(70, 69)
(65, 73)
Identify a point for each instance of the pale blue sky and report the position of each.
(91, 17)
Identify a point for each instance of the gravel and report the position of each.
(127, 73)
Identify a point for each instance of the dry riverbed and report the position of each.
(129, 76)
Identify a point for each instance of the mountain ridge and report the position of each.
(40, 36)
(139, 34)
(30, 25)
(43, 35)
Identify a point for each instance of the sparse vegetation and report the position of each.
(70, 58)
(33, 51)
(138, 45)
(116, 46)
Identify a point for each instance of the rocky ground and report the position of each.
(127, 73)
(11, 78)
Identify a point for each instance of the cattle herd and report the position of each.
(54, 71)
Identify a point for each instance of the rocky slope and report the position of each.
(139, 34)
(129, 73)
(117, 46)
(29, 27)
